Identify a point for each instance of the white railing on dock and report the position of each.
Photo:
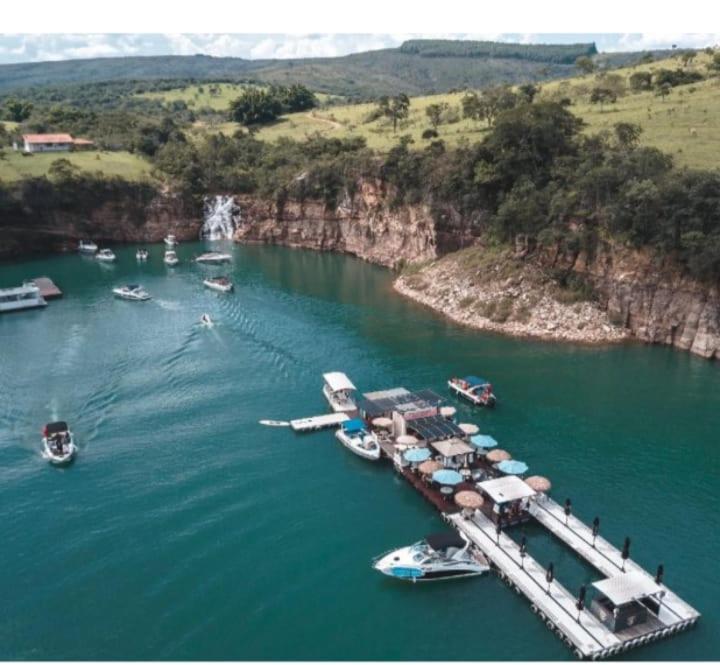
(318, 422)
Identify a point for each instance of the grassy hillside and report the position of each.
(13, 165)
(686, 124)
(417, 67)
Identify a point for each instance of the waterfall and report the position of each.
(220, 217)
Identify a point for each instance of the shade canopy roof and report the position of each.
(475, 381)
(539, 483)
(337, 381)
(441, 541)
(512, 466)
(57, 427)
(417, 454)
(469, 428)
(507, 488)
(407, 439)
(452, 447)
(447, 477)
(382, 421)
(430, 466)
(435, 428)
(447, 411)
(627, 587)
(354, 425)
(384, 402)
(483, 441)
(498, 455)
(468, 499)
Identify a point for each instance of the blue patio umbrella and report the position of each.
(447, 477)
(417, 454)
(483, 441)
(512, 466)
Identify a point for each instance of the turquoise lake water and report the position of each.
(186, 530)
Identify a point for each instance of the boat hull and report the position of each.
(472, 398)
(218, 287)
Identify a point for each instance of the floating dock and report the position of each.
(48, 289)
(318, 422)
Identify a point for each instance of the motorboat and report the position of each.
(131, 292)
(171, 258)
(206, 321)
(170, 240)
(142, 255)
(474, 389)
(355, 437)
(440, 556)
(58, 443)
(17, 298)
(222, 284)
(213, 257)
(338, 391)
(87, 247)
(105, 255)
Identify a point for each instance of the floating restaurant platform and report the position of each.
(318, 422)
(48, 289)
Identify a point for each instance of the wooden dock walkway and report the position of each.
(604, 557)
(48, 289)
(318, 422)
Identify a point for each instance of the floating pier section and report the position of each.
(318, 422)
(48, 289)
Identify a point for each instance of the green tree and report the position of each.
(585, 64)
(528, 91)
(627, 134)
(602, 96)
(434, 113)
(396, 108)
(663, 90)
(16, 110)
(255, 106)
(640, 81)
(714, 65)
(63, 171)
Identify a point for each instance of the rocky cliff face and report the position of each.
(130, 217)
(363, 225)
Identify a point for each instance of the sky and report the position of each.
(42, 47)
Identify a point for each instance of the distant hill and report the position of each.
(416, 67)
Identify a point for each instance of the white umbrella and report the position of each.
(382, 422)
(469, 428)
(447, 411)
(407, 439)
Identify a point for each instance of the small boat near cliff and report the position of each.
(171, 258)
(474, 389)
(213, 257)
(131, 292)
(87, 247)
(221, 284)
(356, 438)
(142, 255)
(170, 240)
(58, 443)
(440, 556)
(106, 255)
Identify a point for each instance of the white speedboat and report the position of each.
(355, 437)
(131, 292)
(142, 255)
(87, 247)
(474, 389)
(58, 444)
(170, 240)
(171, 258)
(440, 556)
(105, 255)
(338, 391)
(222, 284)
(16, 298)
(206, 321)
(213, 257)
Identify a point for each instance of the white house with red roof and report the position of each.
(52, 143)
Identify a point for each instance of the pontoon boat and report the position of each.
(214, 257)
(87, 247)
(105, 255)
(338, 391)
(222, 284)
(474, 389)
(16, 298)
(171, 258)
(131, 292)
(440, 556)
(355, 437)
(58, 444)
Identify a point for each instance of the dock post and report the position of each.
(549, 576)
(595, 529)
(625, 554)
(568, 507)
(498, 531)
(523, 552)
(581, 601)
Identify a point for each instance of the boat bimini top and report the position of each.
(475, 381)
(354, 426)
(338, 381)
(56, 428)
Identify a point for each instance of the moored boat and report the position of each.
(222, 284)
(171, 258)
(58, 443)
(474, 389)
(131, 292)
(87, 247)
(338, 390)
(142, 255)
(355, 437)
(440, 556)
(22, 297)
(106, 255)
(213, 257)
(170, 240)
